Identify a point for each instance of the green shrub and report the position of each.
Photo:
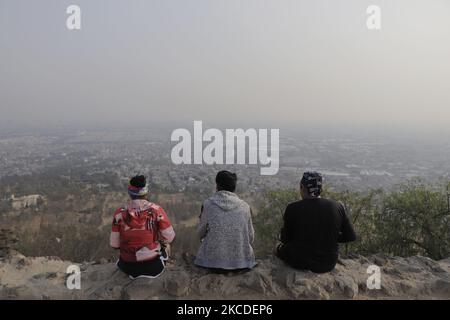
(414, 219)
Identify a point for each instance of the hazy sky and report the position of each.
(264, 63)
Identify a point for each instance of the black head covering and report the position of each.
(226, 180)
(312, 181)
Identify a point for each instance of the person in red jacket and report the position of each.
(142, 231)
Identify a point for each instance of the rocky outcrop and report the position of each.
(401, 278)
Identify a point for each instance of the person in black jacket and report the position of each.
(312, 229)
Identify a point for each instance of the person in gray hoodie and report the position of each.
(225, 229)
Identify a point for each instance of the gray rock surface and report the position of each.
(401, 278)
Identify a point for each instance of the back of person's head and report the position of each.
(312, 182)
(226, 180)
(137, 187)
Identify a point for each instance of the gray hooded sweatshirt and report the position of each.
(226, 233)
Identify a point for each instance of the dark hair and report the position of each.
(138, 181)
(226, 180)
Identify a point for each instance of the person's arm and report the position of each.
(166, 231)
(114, 238)
(202, 228)
(251, 230)
(285, 236)
(346, 232)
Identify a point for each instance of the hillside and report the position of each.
(402, 278)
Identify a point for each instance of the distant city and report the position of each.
(347, 163)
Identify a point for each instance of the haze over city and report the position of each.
(300, 64)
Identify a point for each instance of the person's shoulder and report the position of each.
(206, 206)
(155, 207)
(244, 203)
(295, 205)
(333, 203)
(246, 207)
(119, 214)
(207, 202)
(120, 210)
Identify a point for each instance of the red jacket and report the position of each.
(137, 230)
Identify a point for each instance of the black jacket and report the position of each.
(311, 232)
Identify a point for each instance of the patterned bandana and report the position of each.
(313, 182)
(136, 191)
